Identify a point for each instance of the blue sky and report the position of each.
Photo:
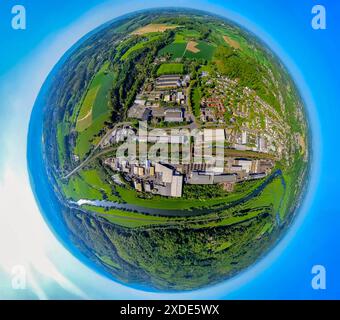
(310, 55)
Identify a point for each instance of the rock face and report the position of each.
(173, 216)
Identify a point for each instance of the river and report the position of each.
(181, 212)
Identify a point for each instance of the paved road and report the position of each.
(92, 156)
(87, 161)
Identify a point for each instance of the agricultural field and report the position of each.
(181, 48)
(231, 42)
(192, 47)
(94, 111)
(95, 103)
(153, 28)
(176, 50)
(190, 34)
(201, 50)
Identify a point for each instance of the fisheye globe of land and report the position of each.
(177, 145)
